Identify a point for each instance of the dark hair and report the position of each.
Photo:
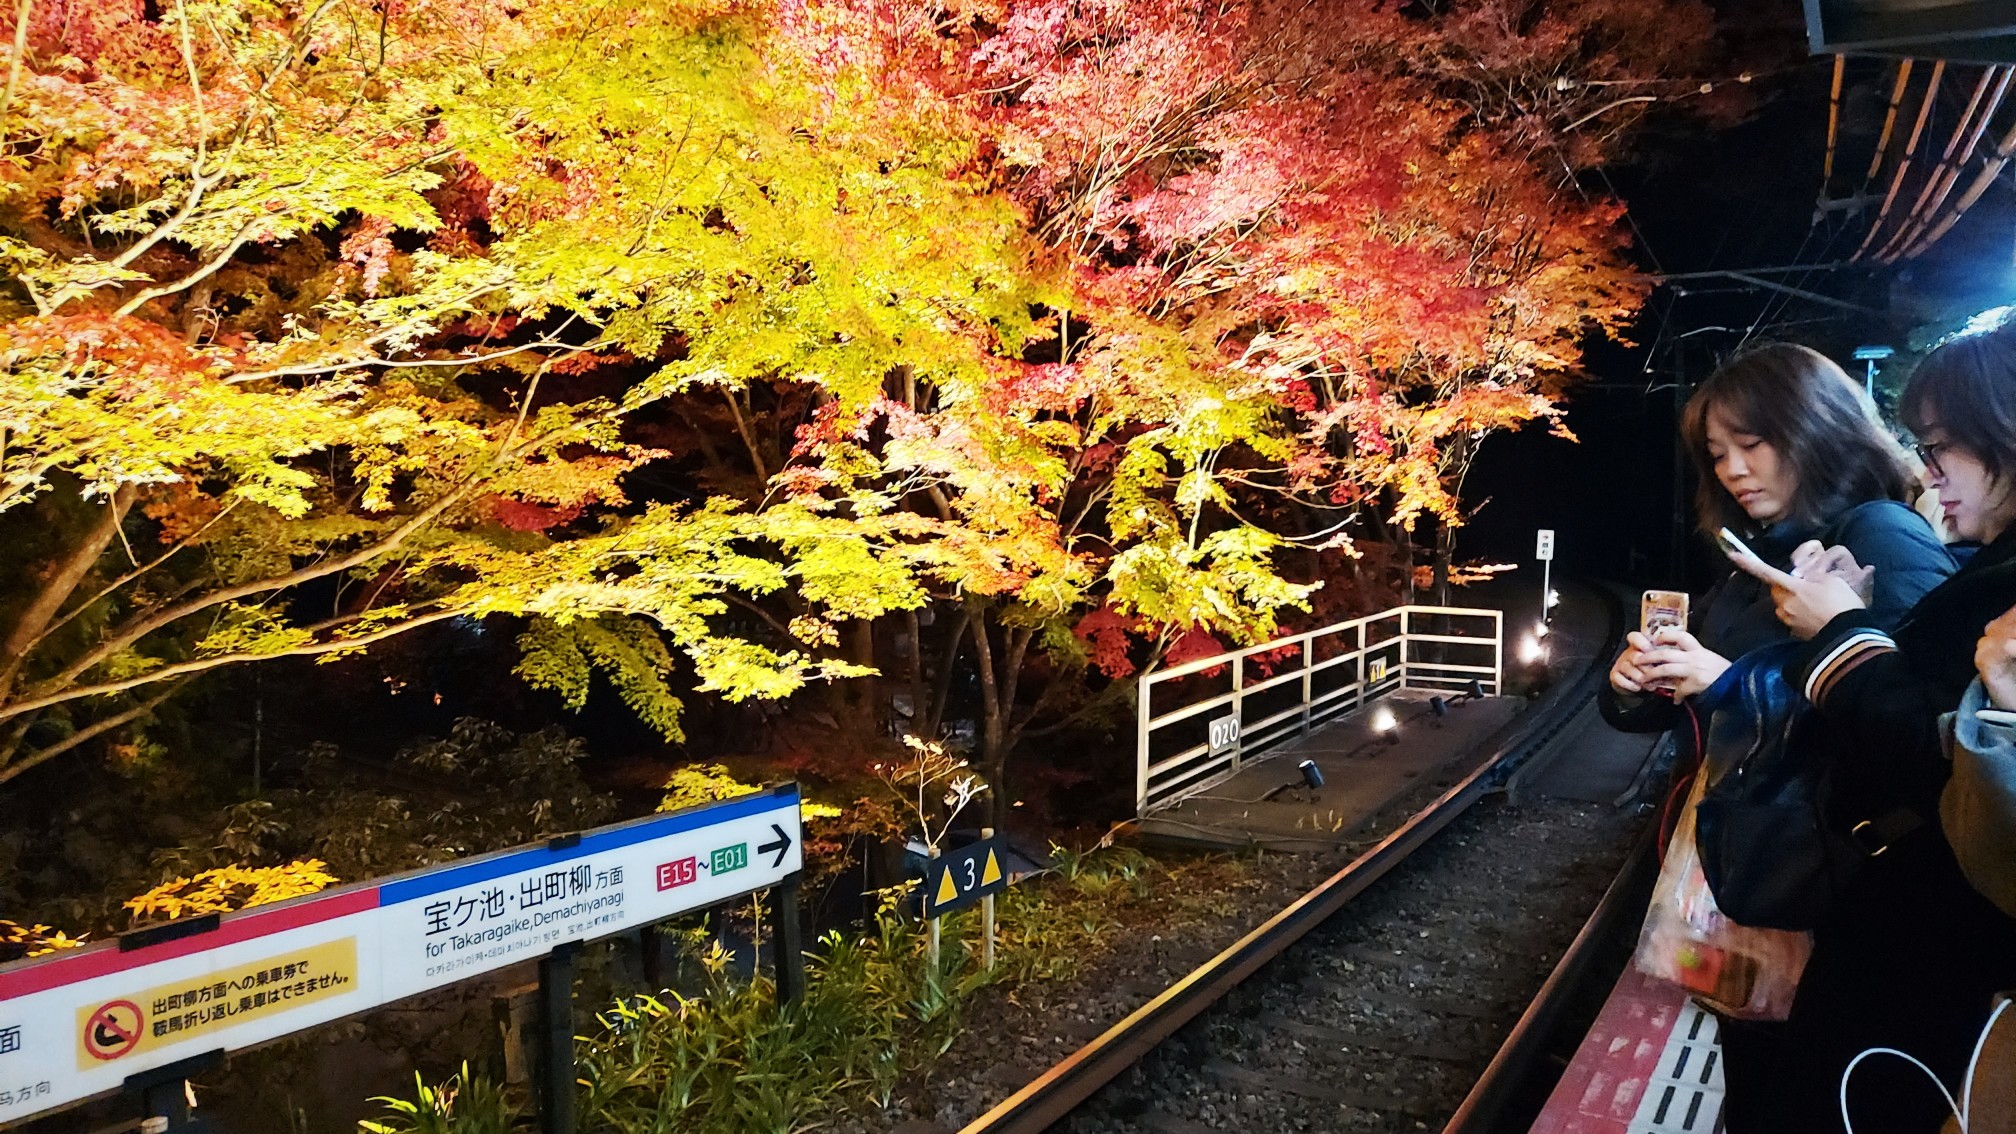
(1816, 417)
(1967, 387)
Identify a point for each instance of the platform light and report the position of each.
(1533, 651)
(1553, 599)
(1384, 723)
(1541, 630)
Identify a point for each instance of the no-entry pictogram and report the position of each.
(113, 1030)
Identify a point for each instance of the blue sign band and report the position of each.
(605, 839)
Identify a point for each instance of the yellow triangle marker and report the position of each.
(948, 890)
(993, 872)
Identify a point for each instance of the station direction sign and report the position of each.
(957, 879)
(79, 1023)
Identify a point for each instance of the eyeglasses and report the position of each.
(1929, 456)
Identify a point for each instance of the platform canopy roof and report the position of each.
(1973, 31)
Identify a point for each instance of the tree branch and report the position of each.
(748, 435)
(133, 632)
(768, 618)
(180, 545)
(84, 735)
(216, 263)
(21, 14)
(394, 364)
(200, 665)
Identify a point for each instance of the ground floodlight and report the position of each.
(1476, 690)
(1440, 708)
(1312, 776)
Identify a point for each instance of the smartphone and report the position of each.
(1733, 547)
(1662, 608)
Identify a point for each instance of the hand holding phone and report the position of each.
(1748, 561)
(1805, 605)
(1657, 610)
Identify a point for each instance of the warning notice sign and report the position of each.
(208, 1002)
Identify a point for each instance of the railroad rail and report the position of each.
(1055, 1094)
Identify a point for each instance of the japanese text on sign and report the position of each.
(172, 1013)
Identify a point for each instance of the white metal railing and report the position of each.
(1354, 662)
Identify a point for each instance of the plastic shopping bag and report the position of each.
(1737, 970)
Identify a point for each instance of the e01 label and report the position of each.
(729, 858)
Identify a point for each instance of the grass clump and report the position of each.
(731, 1059)
(726, 1058)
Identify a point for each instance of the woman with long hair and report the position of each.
(1788, 450)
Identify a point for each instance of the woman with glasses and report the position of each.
(1911, 954)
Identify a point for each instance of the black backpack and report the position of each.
(1770, 856)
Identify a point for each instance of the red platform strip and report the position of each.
(1599, 1092)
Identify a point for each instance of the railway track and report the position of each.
(1377, 1001)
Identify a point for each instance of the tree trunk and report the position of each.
(1445, 552)
(941, 692)
(993, 749)
(868, 697)
(1403, 553)
(61, 580)
(913, 671)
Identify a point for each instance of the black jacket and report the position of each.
(1882, 693)
(1909, 957)
(1737, 615)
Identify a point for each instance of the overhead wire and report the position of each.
(1775, 304)
(1934, 193)
(1903, 168)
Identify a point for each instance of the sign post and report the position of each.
(556, 1040)
(1544, 552)
(790, 942)
(987, 915)
(132, 1013)
(931, 932)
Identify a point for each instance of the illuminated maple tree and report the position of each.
(327, 321)
(1026, 322)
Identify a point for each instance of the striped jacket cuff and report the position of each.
(1845, 655)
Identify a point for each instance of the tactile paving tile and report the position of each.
(1685, 1096)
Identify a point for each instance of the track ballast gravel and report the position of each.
(1383, 1018)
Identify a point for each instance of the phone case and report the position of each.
(1662, 608)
